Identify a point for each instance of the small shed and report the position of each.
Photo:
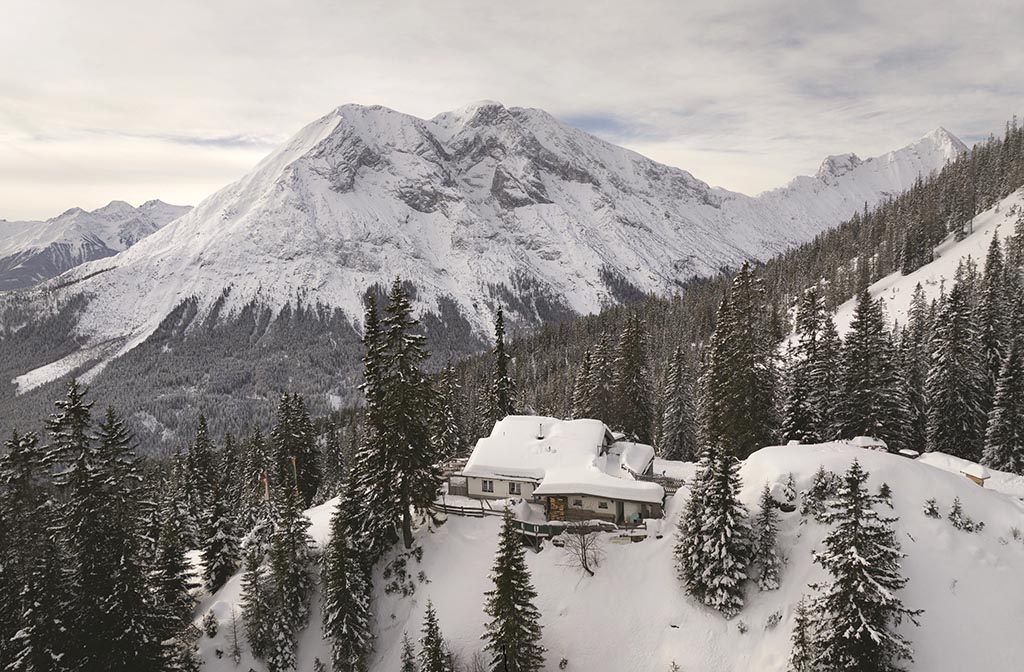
(871, 443)
(976, 473)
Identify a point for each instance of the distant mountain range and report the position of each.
(31, 251)
(480, 207)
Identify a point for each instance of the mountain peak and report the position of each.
(943, 140)
(837, 165)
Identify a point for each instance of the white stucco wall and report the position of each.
(476, 488)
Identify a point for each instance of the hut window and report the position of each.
(515, 488)
(487, 486)
(577, 503)
(602, 505)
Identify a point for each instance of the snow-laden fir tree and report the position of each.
(1004, 438)
(766, 552)
(11, 574)
(221, 549)
(993, 330)
(199, 480)
(815, 501)
(859, 609)
(802, 652)
(808, 392)
(679, 418)
(600, 387)
(256, 604)
(22, 493)
(873, 401)
(296, 461)
(254, 484)
(446, 418)
(633, 398)
(172, 573)
(740, 377)
(689, 548)
(513, 634)
(500, 399)
(291, 577)
(408, 655)
(955, 387)
(346, 598)
(826, 376)
(433, 652)
(582, 404)
(726, 534)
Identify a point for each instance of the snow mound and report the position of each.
(633, 614)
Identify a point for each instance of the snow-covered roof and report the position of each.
(564, 457)
(868, 442)
(955, 465)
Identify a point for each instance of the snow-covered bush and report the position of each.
(931, 508)
(210, 625)
(961, 521)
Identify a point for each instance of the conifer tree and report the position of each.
(582, 403)
(805, 407)
(992, 326)
(678, 421)
(955, 387)
(290, 577)
(254, 485)
(633, 403)
(221, 549)
(600, 386)
(296, 463)
(433, 656)
(513, 634)
(872, 403)
(803, 652)
(858, 608)
(346, 598)
(172, 578)
(408, 655)
(1004, 439)
(256, 605)
(726, 551)
(826, 379)
(689, 548)
(740, 377)
(501, 396)
(446, 424)
(200, 478)
(766, 554)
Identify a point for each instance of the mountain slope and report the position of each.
(633, 615)
(897, 289)
(479, 206)
(31, 252)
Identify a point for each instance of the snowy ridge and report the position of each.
(31, 252)
(633, 615)
(472, 205)
(897, 290)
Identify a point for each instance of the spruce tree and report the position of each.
(678, 421)
(993, 329)
(513, 634)
(501, 396)
(858, 608)
(1004, 438)
(433, 656)
(689, 548)
(740, 377)
(291, 580)
(600, 387)
(633, 404)
(802, 653)
(256, 605)
(221, 549)
(582, 403)
(199, 480)
(807, 396)
(726, 535)
(408, 655)
(172, 575)
(955, 387)
(873, 402)
(346, 598)
(446, 424)
(766, 554)
(296, 462)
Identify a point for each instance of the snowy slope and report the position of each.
(31, 252)
(897, 290)
(474, 206)
(633, 615)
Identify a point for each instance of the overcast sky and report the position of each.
(132, 100)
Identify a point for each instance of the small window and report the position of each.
(515, 488)
(487, 486)
(577, 503)
(602, 505)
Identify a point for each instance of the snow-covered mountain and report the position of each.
(33, 251)
(634, 615)
(478, 206)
